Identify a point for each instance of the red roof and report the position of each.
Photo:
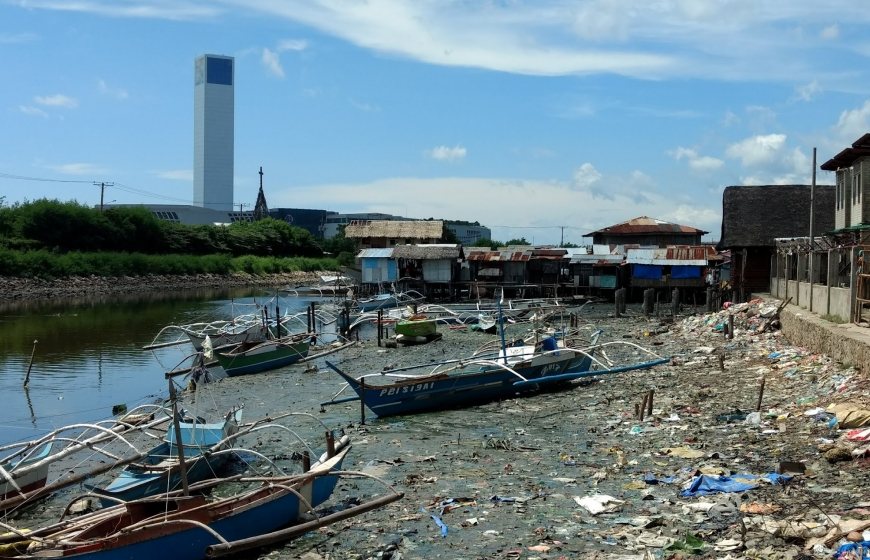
(646, 225)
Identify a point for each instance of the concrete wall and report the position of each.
(841, 303)
(841, 342)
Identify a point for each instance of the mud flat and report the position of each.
(577, 474)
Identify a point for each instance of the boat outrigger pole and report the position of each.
(176, 422)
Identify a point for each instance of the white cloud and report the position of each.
(17, 38)
(272, 62)
(830, 32)
(365, 107)
(446, 153)
(32, 111)
(137, 9)
(586, 175)
(80, 169)
(271, 59)
(757, 150)
(695, 161)
(292, 45)
(57, 100)
(854, 123)
(730, 119)
(176, 175)
(722, 39)
(545, 204)
(808, 92)
(117, 93)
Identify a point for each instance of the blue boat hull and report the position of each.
(191, 543)
(265, 510)
(470, 387)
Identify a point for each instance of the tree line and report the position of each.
(64, 227)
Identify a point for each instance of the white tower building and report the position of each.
(213, 132)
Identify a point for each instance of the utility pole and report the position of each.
(103, 185)
(562, 240)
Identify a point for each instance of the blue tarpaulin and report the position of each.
(685, 272)
(646, 271)
(705, 485)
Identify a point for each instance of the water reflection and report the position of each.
(89, 356)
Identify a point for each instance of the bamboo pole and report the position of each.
(30, 364)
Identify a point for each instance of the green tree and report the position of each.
(520, 241)
(343, 248)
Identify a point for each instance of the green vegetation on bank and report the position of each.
(48, 238)
(46, 264)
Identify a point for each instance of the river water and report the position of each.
(86, 356)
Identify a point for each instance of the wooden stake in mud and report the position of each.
(306, 461)
(330, 444)
(760, 395)
(637, 411)
(648, 301)
(362, 400)
(643, 406)
(649, 402)
(380, 326)
(30, 365)
(721, 356)
(730, 327)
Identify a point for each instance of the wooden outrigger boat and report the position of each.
(246, 358)
(25, 466)
(514, 371)
(178, 526)
(158, 472)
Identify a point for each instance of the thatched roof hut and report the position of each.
(753, 216)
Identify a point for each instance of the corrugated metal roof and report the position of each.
(549, 254)
(434, 251)
(410, 229)
(500, 255)
(597, 259)
(645, 224)
(375, 253)
(673, 256)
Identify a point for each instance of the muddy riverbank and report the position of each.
(577, 473)
(32, 289)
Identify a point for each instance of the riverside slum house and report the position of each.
(657, 254)
(753, 217)
(521, 271)
(378, 269)
(681, 268)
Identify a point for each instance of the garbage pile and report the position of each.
(744, 447)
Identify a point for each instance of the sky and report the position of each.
(541, 119)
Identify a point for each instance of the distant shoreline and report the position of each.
(33, 289)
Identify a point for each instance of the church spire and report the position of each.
(261, 209)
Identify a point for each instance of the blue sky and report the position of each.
(540, 119)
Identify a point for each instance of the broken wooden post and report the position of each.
(306, 461)
(648, 301)
(730, 326)
(649, 402)
(721, 356)
(330, 444)
(616, 306)
(675, 302)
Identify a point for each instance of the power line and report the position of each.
(42, 179)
